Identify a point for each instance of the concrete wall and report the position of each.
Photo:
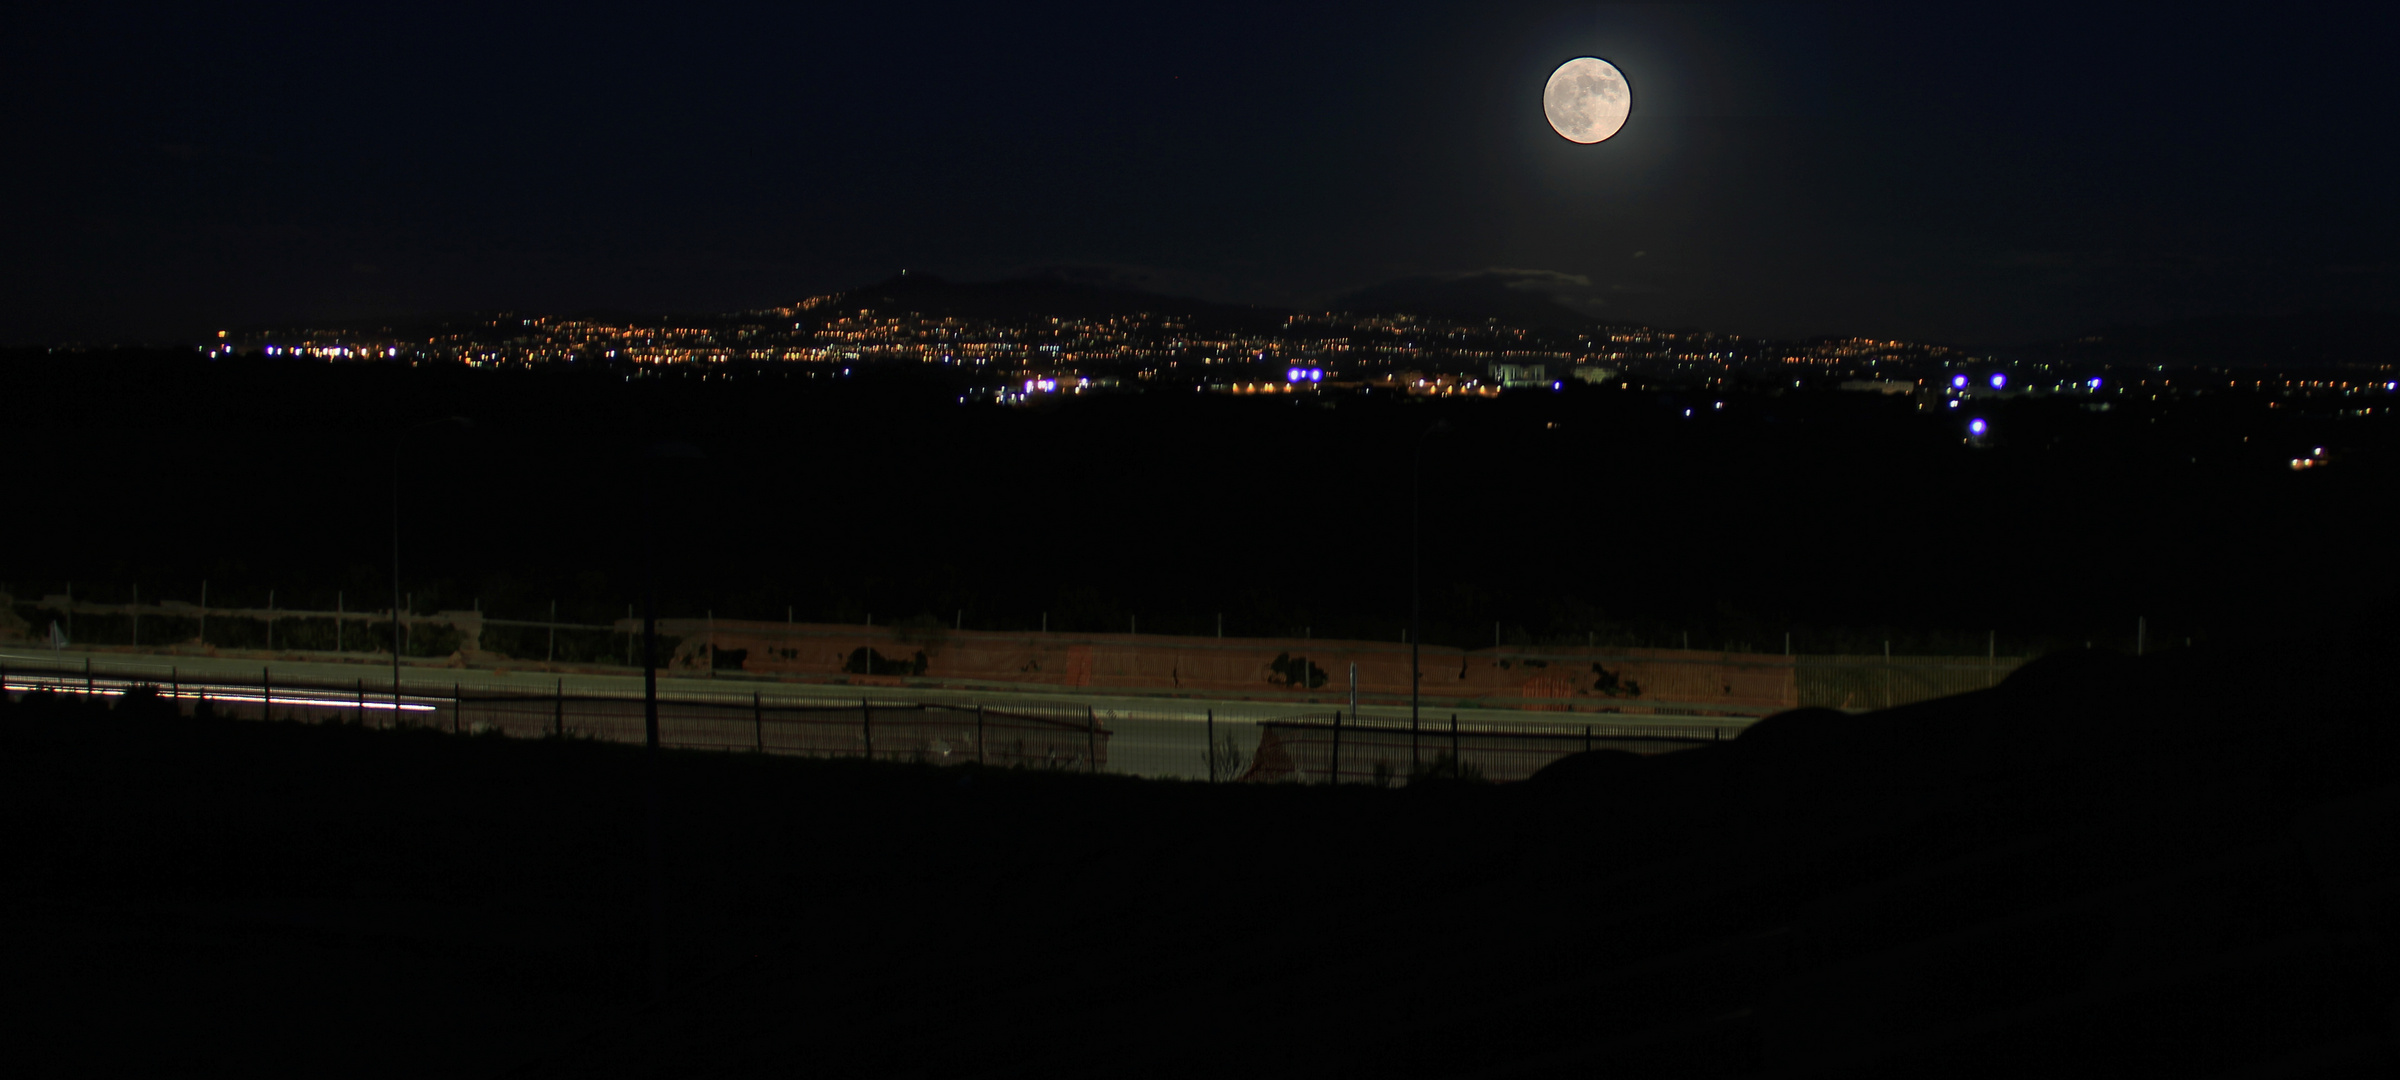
(1669, 680)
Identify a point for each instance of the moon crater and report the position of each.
(1587, 99)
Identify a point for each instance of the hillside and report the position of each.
(2138, 862)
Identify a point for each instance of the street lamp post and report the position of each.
(1416, 593)
(447, 421)
(654, 962)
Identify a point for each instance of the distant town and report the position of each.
(1129, 342)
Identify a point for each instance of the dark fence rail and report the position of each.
(1380, 753)
(1533, 679)
(1035, 737)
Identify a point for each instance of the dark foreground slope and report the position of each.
(2108, 865)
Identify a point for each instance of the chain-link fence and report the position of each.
(1378, 753)
(1536, 680)
(1880, 682)
(1206, 744)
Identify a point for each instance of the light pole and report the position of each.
(654, 964)
(447, 421)
(1416, 544)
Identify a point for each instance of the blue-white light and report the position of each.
(2095, 383)
(1958, 382)
(1976, 427)
(1999, 380)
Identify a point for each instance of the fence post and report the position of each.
(362, 700)
(866, 725)
(1887, 673)
(266, 694)
(1587, 738)
(1455, 769)
(558, 719)
(87, 676)
(1414, 759)
(1091, 738)
(758, 719)
(458, 705)
(1212, 744)
(1333, 768)
(174, 684)
(978, 734)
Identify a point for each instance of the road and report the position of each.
(1156, 735)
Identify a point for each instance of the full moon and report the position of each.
(1587, 99)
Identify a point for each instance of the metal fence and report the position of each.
(1880, 682)
(885, 730)
(1378, 753)
(1212, 745)
(1541, 679)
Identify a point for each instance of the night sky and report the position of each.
(1972, 174)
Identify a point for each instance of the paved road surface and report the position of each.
(1156, 735)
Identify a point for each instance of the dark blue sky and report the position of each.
(1977, 174)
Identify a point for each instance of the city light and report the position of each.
(1958, 382)
(1976, 427)
(1999, 380)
